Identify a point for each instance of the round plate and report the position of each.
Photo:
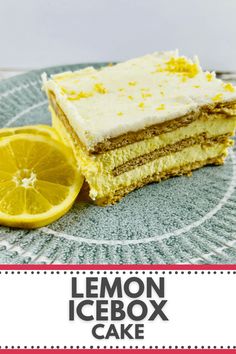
(181, 220)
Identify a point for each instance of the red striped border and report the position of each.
(118, 267)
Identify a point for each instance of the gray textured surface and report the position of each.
(181, 220)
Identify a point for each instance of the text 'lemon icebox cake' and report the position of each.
(142, 121)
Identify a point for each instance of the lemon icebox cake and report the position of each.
(142, 121)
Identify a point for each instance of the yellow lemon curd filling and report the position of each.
(97, 169)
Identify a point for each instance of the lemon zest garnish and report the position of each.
(179, 66)
(162, 93)
(132, 83)
(79, 95)
(145, 89)
(161, 107)
(229, 87)
(121, 89)
(120, 113)
(130, 97)
(209, 76)
(68, 92)
(100, 88)
(196, 86)
(217, 97)
(141, 105)
(145, 95)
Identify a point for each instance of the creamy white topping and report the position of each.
(133, 95)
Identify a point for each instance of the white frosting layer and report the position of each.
(130, 96)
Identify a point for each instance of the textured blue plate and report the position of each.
(181, 220)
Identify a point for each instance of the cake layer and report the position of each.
(221, 110)
(208, 126)
(104, 186)
(107, 107)
(170, 149)
(158, 177)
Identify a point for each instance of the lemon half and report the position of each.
(39, 180)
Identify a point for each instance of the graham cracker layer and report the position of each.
(181, 170)
(169, 149)
(226, 109)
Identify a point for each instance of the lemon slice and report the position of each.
(44, 130)
(39, 180)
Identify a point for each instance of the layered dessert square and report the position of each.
(142, 121)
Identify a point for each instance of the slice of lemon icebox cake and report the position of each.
(142, 121)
